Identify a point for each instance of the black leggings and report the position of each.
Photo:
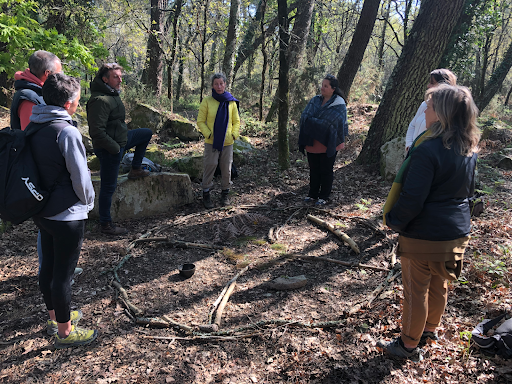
(61, 242)
(321, 175)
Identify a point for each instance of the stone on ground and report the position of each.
(392, 155)
(286, 283)
(153, 195)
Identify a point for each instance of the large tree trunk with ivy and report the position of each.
(406, 86)
(297, 44)
(155, 53)
(355, 54)
(284, 151)
(172, 59)
(229, 53)
(496, 80)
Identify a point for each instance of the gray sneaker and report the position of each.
(395, 348)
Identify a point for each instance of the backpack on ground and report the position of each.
(498, 344)
(126, 164)
(21, 194)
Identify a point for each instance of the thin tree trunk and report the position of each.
(355, 54)
(495, 81)
(297, 44)
(406, 86)
(265, 56)
(284, 151)
(170, 62)
(155, 52)
(203, 45)
(229, 53)
(382, 39)
(508, 96)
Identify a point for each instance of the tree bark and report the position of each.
(406, 86)
(284, 151)
(155, 52)
(229, 53)
(205, 3)
(172, 59)
(265, 56)
(355, 54)
(495, 81)
(382, 39)
(297, 44)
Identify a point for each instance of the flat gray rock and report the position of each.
(287, 283)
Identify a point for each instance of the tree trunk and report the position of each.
(181, 69)
(508, 96)
(265, 56)
(155, 53)
(229, 53)
(495, 81)
(355, 54)
(170, 62)
(248, 46)
(297, 45)
(382, 38)
(203, 43)
(284, 151)
(406, 86)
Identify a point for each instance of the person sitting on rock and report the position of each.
(111, 137)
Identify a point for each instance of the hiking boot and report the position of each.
(110, 228)
(224, 198)
(321, 202)
(51, 325)
(138, 173)
(77, 336)
(396, 348)
(427, 335)
(207, 200)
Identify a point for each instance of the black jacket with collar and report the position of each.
(434, 202)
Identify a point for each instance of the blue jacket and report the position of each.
(434, 202)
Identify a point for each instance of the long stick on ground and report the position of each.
(345, 263)
(218, 314)
(179, 243)
(342, 235)
(393, 274)
(223, 293)
(136, 311)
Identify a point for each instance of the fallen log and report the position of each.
(342, 235)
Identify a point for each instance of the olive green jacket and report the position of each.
(105, 115)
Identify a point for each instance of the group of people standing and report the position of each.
(44, 101)
(428, 204)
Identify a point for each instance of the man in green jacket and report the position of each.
(111, 137)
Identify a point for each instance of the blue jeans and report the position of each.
(109, 163)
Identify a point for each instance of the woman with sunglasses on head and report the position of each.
(323, 127)
(417, 125)
(431, 212)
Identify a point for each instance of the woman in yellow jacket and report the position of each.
(219, 122)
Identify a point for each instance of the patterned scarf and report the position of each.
(221, 119)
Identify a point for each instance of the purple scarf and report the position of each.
(220, 126)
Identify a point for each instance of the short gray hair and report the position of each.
(42, 61)
(218, 75)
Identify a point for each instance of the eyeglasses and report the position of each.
(330, 77)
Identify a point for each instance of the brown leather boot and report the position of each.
(111, 229)
(138, 173)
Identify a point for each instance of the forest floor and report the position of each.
(296, 349)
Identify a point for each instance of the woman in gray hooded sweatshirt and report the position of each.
(62, 163)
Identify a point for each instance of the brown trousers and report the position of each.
(213, 157)
(425, 294)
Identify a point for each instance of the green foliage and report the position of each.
(5, 226)
(363, 206)
(22, 34)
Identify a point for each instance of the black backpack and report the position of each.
(21, 195)
(500, 343)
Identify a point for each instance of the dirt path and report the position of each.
(283, 353)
